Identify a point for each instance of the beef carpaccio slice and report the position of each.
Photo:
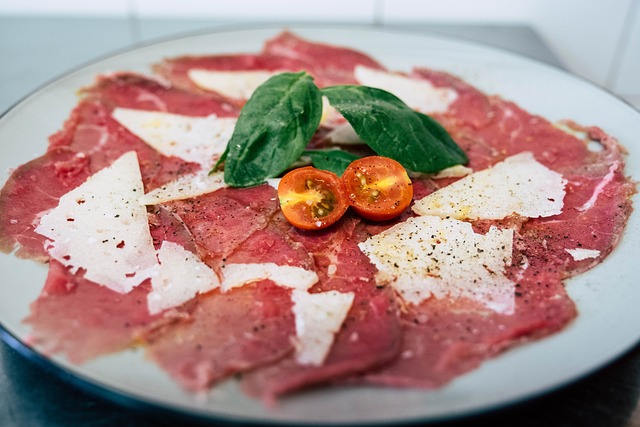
(82, 320)
(328, 64)
(93, 131)
(260, 313)
(443, 338)
(371, 333)
(89, 141)
(242, 328)
(33, 188)
(598, 194)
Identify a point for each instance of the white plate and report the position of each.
(606, 297)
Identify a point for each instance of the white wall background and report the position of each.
(596, 39)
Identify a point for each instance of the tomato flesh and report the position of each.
(378, 188)
(312, 199)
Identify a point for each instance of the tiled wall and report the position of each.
(599, 40)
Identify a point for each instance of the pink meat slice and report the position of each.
(226, 333)
(329, 65)
(89, 141)
(175, 70)
(83, 320)
(371, 333)
(243, 328)
(446, 338)
(92, 131)
(32, 189)
(131, 90)
(598, 199)
(442, 338)
(166, 226)
(221, 221)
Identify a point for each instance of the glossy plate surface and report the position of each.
(607, 296)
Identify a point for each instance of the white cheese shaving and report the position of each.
(444, 258)
(194, 139)
(330, 116)
(318, 317)
(518, 185)
(420, 95)
(101, 228)
(185, 187)
(181, 276)
(233, 84)
(457, 171)
(579, 254)
(274, 182)
(283, 275)
(344, 134)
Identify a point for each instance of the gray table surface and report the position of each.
(34, 51)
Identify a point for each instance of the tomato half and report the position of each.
(311, 198)
(378, 187)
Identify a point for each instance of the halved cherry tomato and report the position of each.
(312, 198)
(378, 187)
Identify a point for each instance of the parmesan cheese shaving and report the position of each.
(579, 254)
(428, 257)
(457, 171)
(181, 276)
(194, 139)
(101, 228)
(185, 187)
(518, 185)
(232, 84)
(283, 275)
(344, 134)
(318, 317)
(420, 95)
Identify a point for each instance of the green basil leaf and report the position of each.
(274, 127)
(335, 161)
(392, 129)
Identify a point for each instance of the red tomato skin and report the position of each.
(382, 177)
(305, 192)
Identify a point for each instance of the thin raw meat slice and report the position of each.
(225, 334)
(131, 90)
(83, 320)
(234, 331)
(33, 189)
(165, 226)
(93, 131)
(176, 70)
(598, 194)
(89, 141)
(328, 64)
(221, 221)
(370, 335)
(597, 207)
(444, 339)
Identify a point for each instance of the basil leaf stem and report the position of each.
(273, 129)
(392, 129)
